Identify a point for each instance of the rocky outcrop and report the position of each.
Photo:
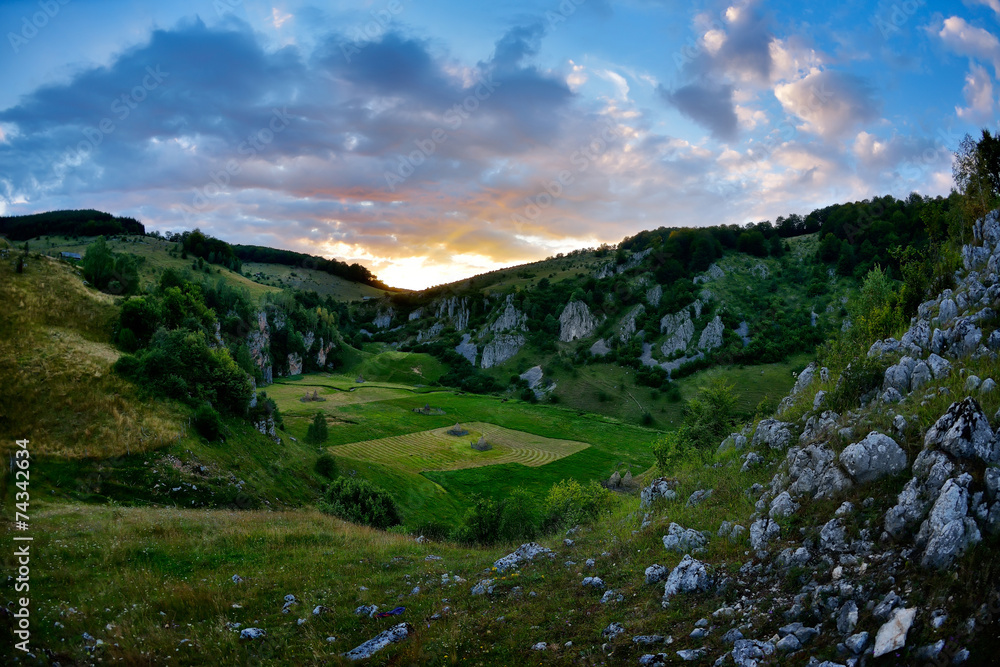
(467, 348)
(613, 268)
(679, 330)
(600, 348)
(501, 348)
(653, 296)
(711, 337)
(576, 321)
(661, 488)
(509, 319)
(772, 433)
(684, 540)
(453, 311)
(294, 363)
(393, 635)
(627, 328)
(383, 319)
(259, 345)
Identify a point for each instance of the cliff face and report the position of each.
(501, 348)
(576, 321)
(259, 344)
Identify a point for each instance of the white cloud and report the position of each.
(978, 93)
(617, 80)
(829, 102)
(968, 40)
(992, 4)
(278, 18)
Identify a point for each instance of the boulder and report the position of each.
(964, 432)
(873, 458)
(940, 367)
(523, 553)
(833, 536)
(892, 635)
(391, 636)
(763, 531)
(920, 376)
(773, 433)
(783, 506)
(682, 539)
(898, 375)
(751, 652)
(690, 575)
(656, 573)
(659, 488)
(948, 532)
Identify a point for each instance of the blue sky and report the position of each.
(434, 140)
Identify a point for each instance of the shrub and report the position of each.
(673, 450)
(317, 432)
(326, 466)
(360, 501)
(569, 503)
(861, 376)
(208, 423)
(487, 521)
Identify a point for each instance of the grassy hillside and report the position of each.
(56, 357)
(156, 256)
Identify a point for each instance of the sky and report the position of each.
(434, 140)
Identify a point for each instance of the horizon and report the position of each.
(434, 143)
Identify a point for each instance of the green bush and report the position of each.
(487, 521)
(326, 466)
(862, 375)
(208, 423)
(569, 503)
(360, 501)
(675, 449)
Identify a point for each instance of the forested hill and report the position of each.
(67, 223)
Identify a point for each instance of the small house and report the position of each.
(70, 256)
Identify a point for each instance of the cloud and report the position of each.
(967, 40)
(708, 105)
(830, 102)
(978, 92)
(992, 4)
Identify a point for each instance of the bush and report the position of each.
(861, 376)
(208, 423)
(326, 466)
(673, 450)
(569, 503)
(317, 432)
(360, 501)
(489, 522)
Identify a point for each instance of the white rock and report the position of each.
(892, 635)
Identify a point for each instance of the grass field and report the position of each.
(438, 450)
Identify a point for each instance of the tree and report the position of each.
(317, 432)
